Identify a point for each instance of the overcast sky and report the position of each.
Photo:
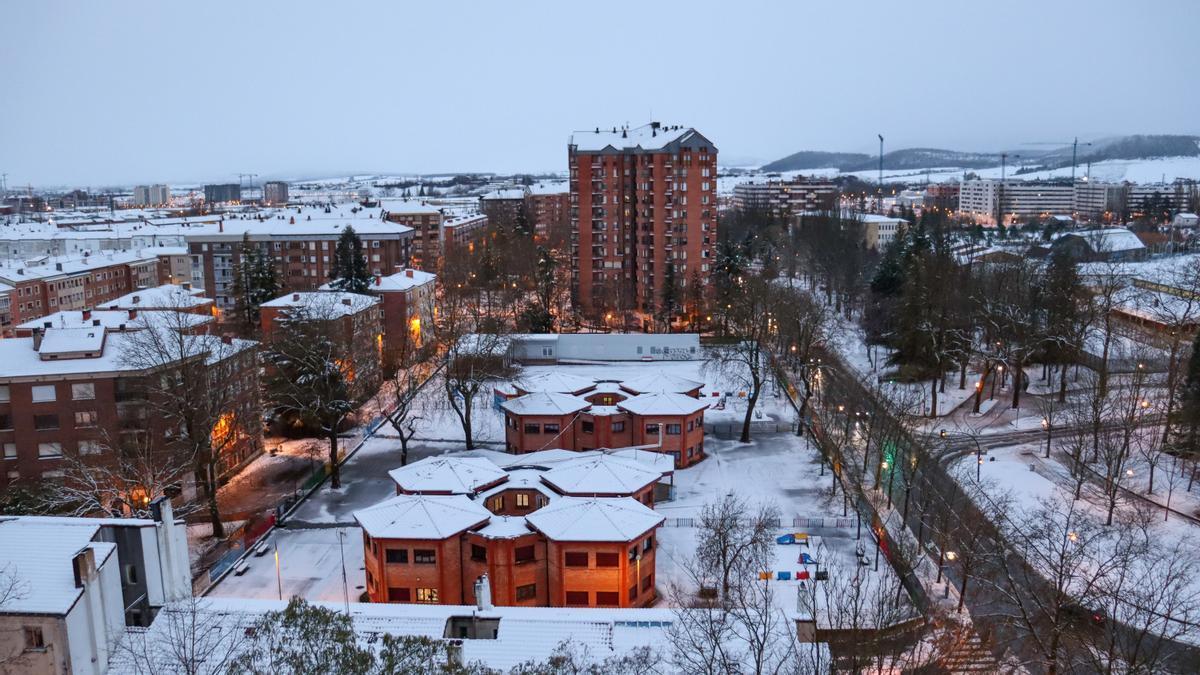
(100, 93)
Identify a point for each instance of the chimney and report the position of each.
(226, 339)
(378, 280)
(408, 273)
(84, 566)
(137, 299)
(295, 297)
(454, 653)
(58, 267)
(47, 324)
(221, 225)
(133, 314)
(87, 314)
(187, 285)
(347, 301)
(95, 322)
(37, 339)
(483, 593)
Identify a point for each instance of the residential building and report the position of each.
(641, 199)
(84, 580)
(151, 195)
(303, 252)
(355, 321)
(545, 348)
(1109, 244)
(504, 205)
(659, 412)
(785, 197)
(425, 221)
(983, 198)
(461, 232)
(549, 207)
(942, 197)
(1096, 201)
(879, 231)
(275, 192)
(553, 530)
(117, 321)
(82, 391)
(223, 192)
(408, 309)
(166, 297)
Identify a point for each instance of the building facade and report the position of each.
(222, 192)
(275, 192)
(786, 196)
(641, 199)
(151, 195)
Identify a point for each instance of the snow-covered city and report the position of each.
(302, 372)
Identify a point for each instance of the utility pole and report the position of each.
(879, 202)
(1000, 191)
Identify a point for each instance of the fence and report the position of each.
(798, 523)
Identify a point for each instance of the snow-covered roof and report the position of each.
(504, 527)
(166, 296)
(1109, 240)
(112, 319)
(550, 188)
(504, 194)
(662, 404)
(594, 519)
(421, 516)
(548, 457)
(601, 474)
(65, 341)
(646, 138)
(401, 281)
(661, 462)
(39, 556)
(554, 381)
(21, 360)
(325, 304)
(408, 206)
(523, 633)
(660, 383)
(545, 403)
(452, 475)
(50, 267)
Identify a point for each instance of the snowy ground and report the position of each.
(310, 566)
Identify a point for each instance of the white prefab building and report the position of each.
(978, 199)
(555, 348)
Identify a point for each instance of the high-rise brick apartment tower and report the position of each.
(641, 199)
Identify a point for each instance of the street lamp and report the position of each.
(1046, 426)
(951, 556)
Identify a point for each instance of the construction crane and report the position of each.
(1074, 152)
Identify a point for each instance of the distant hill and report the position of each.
(1120, 147)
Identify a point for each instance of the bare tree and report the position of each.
(401, 394)
(746, 361)
(734, 537)
(12, 589)
(188, 637)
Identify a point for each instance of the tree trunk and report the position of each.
(209, 471)
(933, 395)
(1018, 374)
(335, 471)
(751, 402)
(1062, 385)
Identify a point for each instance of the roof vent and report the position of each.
(295, 297)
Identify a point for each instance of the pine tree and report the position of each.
(244, 304)
(1188, 444)
(669, 306)
(350, 271)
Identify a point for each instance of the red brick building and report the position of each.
(662, 413)
(358, 326)
(641, 199)
(549, 206)
(73, 390)
(426, 222)
(408, 309)
(575, 531)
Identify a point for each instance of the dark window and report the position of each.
(551, 428)
(6, 422)
(588, 427)
(633, 593)
(478, 553)
(44, 422)
(633, 553)
(425, 556)
(523, 554)
(575, 559)
(673, 429)
(652, 429)
(607, 598)
(533, 428)
(647, 582)
(35, 641)
(691, 424)
(605, 559)
(577, 598)
(396, 555)
(527, 592)
(399, 595)
(618, 426)
(648, 544)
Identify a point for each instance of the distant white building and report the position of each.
(1185, 220)
(151, 195)
(982, 199)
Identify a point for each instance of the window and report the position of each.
(633, 553)
(522, 500)
(550, 428)
(607, 559)
(424, 556)
(42, 393)
(526, 592)
(45, 422)
(673, 429)
(523, 554)
(533, 428)
(607, 598)
(10, 451)
(396, 556)
(49, 450)
(647, 582)
(427, 595)
(577, 598)
(575, 559)
(588, 427)
(691, 424)
(83, 392)
(648, 544)
(399, 595)
(498, 503)
(633, 593)
(478, 553)
(85, 418)
(652, 429)
(5, 393)
(6, 423)
(34, 641)
(90, 448)
(618, 426)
